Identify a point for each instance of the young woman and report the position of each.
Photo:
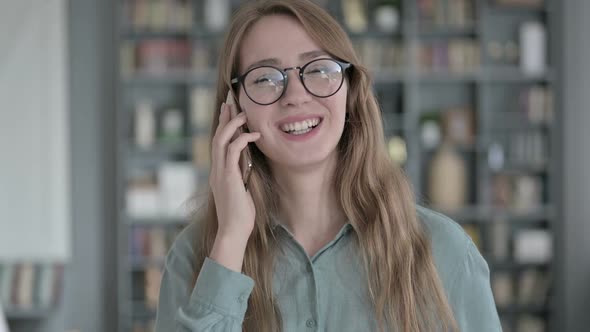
(326, 236)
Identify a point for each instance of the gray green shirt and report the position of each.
(326, 292)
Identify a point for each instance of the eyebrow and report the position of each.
(276, 61)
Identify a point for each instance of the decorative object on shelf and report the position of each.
(177, 182)
(430, 132)
(527, 193)
(447, 179)
(142, 198)
(397, 150)
(496, 157)
(145, 124)
(355, 15)
(172, 126)
(387, 16)
(533, 246)
(216, 14)
(533, 45)
(459, 126)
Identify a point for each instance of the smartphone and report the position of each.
(245, 156)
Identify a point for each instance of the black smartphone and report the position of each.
(245, 156)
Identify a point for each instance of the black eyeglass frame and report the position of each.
(240, 79)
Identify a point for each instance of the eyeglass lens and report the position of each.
(265, 85)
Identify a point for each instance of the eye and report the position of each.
(318, 69)
(264, 80)
(264, 76)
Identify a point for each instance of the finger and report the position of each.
(230, 131)
(233, 111)
(223, 138)
(218, 155)
(237, 146)
(224, 117)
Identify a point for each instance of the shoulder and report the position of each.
(463, 272)
(182, 251)
(451, 246)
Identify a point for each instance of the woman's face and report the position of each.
(282, 42)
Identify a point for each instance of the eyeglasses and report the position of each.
(264, 85)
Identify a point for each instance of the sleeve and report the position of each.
(471, 295)
(217, 303)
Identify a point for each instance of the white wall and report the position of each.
(34, 143)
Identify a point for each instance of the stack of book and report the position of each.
(454, 56)
(150, 15)
(28, 286)
(151, 243)
(452, 13)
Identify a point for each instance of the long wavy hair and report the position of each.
(375, 194)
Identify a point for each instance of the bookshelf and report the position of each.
(455, 97)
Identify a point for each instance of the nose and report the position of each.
(295, 93)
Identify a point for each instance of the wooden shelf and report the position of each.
(28, 314)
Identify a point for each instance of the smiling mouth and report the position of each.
(302, 127)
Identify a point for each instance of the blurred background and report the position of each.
(105, 116)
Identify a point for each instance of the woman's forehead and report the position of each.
(278, 38)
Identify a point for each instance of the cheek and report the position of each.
(255, 117)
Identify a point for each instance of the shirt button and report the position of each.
(310, 323)
(242, 298)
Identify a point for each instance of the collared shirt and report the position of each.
(326, 292)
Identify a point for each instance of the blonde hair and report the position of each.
(375, 194)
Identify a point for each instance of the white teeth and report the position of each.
(299, 126)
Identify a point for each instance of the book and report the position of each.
(45, 293)
(153, 277)
(201, 108)
(157, 243)
(201, 155)
(24, 296)
(6, 283)
(533, 287)
(474, 233)
(503, 289)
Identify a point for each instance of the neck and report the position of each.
(309, 204)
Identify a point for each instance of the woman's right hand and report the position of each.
(234, 205)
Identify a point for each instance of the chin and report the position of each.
(308, 160)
